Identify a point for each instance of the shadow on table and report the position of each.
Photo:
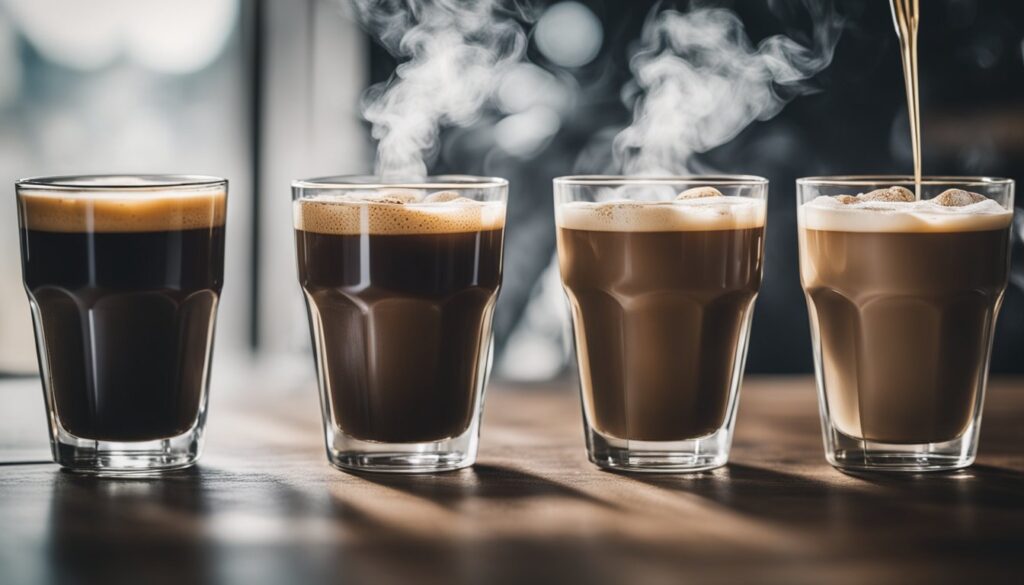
(830, 499)
(466, 527)
(981, 486)
(107, 530)
(198, 525)
(491, 482)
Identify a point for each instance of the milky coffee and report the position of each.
(660, 293)
(903, 293)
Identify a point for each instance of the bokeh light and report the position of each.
(169, 37)
(569, 34)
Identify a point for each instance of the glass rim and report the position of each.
(887, 180)
(120, 182)
(698, 180)
(376, 182)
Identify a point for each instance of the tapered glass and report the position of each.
(400, 280)
(903, 297)
(123, 275)
(661, 277)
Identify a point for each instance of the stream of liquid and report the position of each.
(906, 15)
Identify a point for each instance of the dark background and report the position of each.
(854, 122)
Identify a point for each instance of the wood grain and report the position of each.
(264, 507)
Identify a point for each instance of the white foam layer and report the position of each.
(344, 216)
(703, 214)
(829, 214)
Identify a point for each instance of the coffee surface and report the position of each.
(401, 313)
(702, 214)
(829, 214)
(904, 296)
(126, 311)
(115, 211)
(395, 214)
(661, 294)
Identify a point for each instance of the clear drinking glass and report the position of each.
(662, 292)
(903, 298)
(400, 279)
(123, 275)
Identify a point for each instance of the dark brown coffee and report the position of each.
(903, 309)
(659, 318)
(125, 312)
(401, 314)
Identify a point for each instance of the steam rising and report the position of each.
(455, 52)
(699, 81)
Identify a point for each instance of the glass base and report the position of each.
(124, 459)
(399, 462)
(350, 454)
(849, 453)
(685, 456)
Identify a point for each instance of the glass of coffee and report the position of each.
(661, 275)
(400, 279)
(123, 275)
(903, 290)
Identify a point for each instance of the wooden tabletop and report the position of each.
(264, 507)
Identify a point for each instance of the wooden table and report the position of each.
(264, 507)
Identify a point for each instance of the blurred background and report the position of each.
(264, 91)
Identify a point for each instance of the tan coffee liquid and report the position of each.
(903, 297)
(661, 295)
(906, 15)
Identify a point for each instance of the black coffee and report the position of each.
(126, 321)
(401, 321)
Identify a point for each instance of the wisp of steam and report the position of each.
(454, 55)
(699, 81)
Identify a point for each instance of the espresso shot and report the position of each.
(903, 296)
(400, 287)
(661, 295)
(124, 277)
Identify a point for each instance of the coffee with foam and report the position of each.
(119, 211)
(902, 295)
(400, 286)
(847, 213)
(661, 294)
(382, 214)
(682, 215)
(124, 275)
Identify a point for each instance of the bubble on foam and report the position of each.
(928, 215)
(894, 193)
(699, 193)
(342, 215)
(697, 214)
(958, 198)
(121, 211)
(388, 196)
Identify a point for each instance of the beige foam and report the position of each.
(831, 214)
(698, 192)
(695, 214)
(958, 198)
(343, 216)
(119, 211)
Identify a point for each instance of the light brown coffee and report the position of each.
(661, 294)
(902, 294)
